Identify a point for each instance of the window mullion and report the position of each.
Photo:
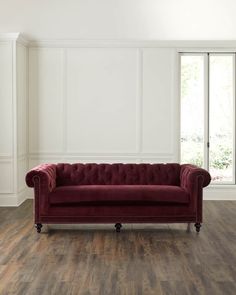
(234, 101)
(206, 109)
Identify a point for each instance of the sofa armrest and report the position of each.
(46, 175)
(189, 174)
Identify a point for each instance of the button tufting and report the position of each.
(130, 174)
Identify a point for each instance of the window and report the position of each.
(207, 113)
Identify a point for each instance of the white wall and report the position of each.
(102, 105)
(120, 19)
(6, 115)
(89, 101)
(13, 114)
(21, 119)
(108, 101)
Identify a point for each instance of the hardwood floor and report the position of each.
(141, 259)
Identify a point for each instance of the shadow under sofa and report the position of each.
(117, 193)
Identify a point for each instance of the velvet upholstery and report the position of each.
(118, 194)
(70, 193)
(118, 174)
(47, 175)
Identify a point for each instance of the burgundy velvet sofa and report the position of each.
(116, 193)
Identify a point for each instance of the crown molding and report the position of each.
(9, 36)
(178, 44)
(17, 37)
(22, 40)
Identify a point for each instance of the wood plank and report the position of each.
(141, 259)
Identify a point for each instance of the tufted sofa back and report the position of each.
(117, 174)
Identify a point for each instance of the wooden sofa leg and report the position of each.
(198, 227)
(118, 227)
(38, 226)
(188, 226)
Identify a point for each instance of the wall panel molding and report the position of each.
(139, 116)
(14, 37)
(102, 100)
(72, 62)
(13, 109)
(97, 154)
(64, 100)
(7, 178)
(181, 44)
(5, 156)
(127, 65)
(158, 100)
(45, 100)
(6, 98)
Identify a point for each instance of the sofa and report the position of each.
(117, 193)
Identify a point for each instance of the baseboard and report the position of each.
(22, 196)
(220, 193)
(13, 200)
(30, 193)
(8, 200)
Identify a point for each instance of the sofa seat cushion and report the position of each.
(118, 194)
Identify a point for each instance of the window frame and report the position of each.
(206, 59)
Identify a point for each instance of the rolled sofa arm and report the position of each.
(190, 173)
(46, 173)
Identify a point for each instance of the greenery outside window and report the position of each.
(208, 113)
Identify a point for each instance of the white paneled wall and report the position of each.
(6, 126)
(158, 101)
(21, 119)
(86, 101)
(101, 104)
(46, 101)
(6, 130)
(13, 116)
(101, 100)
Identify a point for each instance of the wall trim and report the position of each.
(14, 200)
(220, 192)
(16, 36)
(103, 154)
(6, 159)
(9, 36)
(191, 45)
(86, 43)
(133, 157)
(139, 102)
(22, 196)
(64, 100)
(8, 200)
(210, 193)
